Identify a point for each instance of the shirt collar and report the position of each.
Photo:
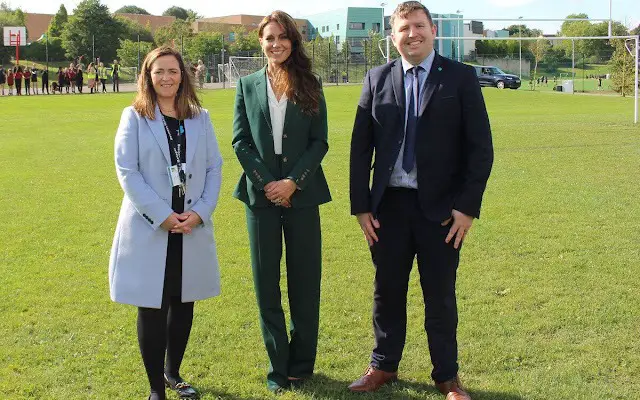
(425, 64)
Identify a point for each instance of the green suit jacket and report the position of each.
(304, 144)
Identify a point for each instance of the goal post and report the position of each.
(237, 67)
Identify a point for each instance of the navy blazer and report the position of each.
(454, 151)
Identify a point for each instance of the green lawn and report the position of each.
(548, 288)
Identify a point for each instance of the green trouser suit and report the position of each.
(304, 144)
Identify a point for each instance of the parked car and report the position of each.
(495, 77)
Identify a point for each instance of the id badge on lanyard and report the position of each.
(177, 175)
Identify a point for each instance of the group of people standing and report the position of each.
(19, 77)
(421, 126)
(69, 79)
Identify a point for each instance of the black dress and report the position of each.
(173, 269)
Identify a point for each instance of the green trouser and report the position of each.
(301, 226)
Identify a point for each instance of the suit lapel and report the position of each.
(433, 80)
(192, 134)
(261, 93)
(157, 127)
(397, 80)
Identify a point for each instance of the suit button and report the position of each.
(391, 168)
(189, 201)
(284, 159)
(399, 141)
(190, 175)
(284, 136)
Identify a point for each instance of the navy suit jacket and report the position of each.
(454, 151)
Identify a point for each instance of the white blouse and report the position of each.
(278, 111)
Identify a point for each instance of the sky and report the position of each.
(625, 11)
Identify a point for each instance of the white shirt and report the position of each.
(277, 111)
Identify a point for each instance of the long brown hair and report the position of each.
(187, 103)
(297, 79)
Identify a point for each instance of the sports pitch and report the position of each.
(548, 287)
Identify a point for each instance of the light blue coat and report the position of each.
(138, 255)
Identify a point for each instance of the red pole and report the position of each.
(17, 50)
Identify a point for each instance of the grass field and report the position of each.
(548, 288)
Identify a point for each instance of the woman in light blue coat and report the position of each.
(164, 254)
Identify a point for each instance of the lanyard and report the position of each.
(176, 151)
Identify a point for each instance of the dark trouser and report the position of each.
(104, 87)
(18, 87)
(116, 84)
(45, 86)
(79, 84)
(403, 233)
(27, 87)
(165, 331)
(301, 226)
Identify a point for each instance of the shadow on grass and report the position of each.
(218, 394)
(324, 387)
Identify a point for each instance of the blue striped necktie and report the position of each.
(409, 155)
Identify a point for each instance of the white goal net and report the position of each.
(238, 67)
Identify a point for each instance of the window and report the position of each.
(323, 29)
(337, 39)
(356, 25)
(337, 27)
(376, 27)
(232, 36)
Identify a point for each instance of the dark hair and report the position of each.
(406, 8)
(297, 79)
(187, 103)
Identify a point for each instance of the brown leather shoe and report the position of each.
(453, 389)
(372, 380)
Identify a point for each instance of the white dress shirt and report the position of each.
(277, 111)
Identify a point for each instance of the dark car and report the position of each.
(495, 77)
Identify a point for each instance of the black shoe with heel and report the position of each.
(184, 389)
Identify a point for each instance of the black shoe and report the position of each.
(184, 389)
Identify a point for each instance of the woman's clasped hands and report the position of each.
(280, 192)
(181, 223)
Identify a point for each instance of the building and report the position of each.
(472, 29)
(497, 33)
(227, 25)
(449, 25)
(37, 24)
(349, 24)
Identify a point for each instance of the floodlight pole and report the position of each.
(520, 42)
(635, 111)
(573, 59)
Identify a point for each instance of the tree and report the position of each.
(92, 23)
(178, 12)
(203, 44)
(173, 34)
(244, 42)
(539, 49)
(131, 10)
(9, 17)
(132, 29)
(192, 15)
(636, 30)
(622, 69)
(56, 26)
(38, 50)
(128, 52)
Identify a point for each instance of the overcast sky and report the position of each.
(625, 11)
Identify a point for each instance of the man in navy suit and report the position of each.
(424, 120)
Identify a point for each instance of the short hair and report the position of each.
(187, 103)
(406, 8)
